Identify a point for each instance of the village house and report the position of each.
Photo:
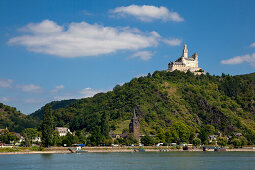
(62, 131)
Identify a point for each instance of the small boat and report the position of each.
(77, 150)
(139, 150)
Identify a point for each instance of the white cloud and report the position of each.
(143, 55)
(82, 39)
(140, 75)
(5, 83)
(65, 97)
(148, 13)
(4, 99)
(249, 58)
(173, 41)
(89, 92)
(30, 88)
(252, 45)
(57, 88)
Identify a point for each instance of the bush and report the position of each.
(196, 141)
(147, 140)
(243, 140)
(222, 141)
(236, 142)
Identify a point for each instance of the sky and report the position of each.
(61, 49)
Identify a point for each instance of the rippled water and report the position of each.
(149, 160)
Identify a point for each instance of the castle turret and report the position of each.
(185, 51)
(134, 126)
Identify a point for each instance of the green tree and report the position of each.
(147, 140)
(29, 134)
(184, 131)
(8, 137)
(105, 124)
(67, 139)
(222, 141)
(130, 139)
(47, 126)
(236, 142)
(243, 140)
(96, 138)
(205, 131)
(196, 141)
(56, 139)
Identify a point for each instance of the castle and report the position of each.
(134, 126)
(185, 63)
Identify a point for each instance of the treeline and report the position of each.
(166, 101)
(14, 120)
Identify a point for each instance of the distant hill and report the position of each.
(14, 120)
(226, 103)
(251, 75)
(55, 105)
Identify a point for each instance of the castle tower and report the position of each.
(134, 126)
(185, 51)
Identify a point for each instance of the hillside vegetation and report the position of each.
(14, 120)
(201, 104)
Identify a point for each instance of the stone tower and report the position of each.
(185, 51)
(134, 126)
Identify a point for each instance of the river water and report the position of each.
(130, 161)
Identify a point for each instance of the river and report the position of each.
(130, 161)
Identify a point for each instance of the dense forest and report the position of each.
(14, 120)
(170, 105)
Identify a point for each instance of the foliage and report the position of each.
(8, 137)
(29, 135)
(14, 120)
(243, 140)
(222, 141)
(196, 141)
(236, 142)
(47, 126)
(147, 140)
(171, 105)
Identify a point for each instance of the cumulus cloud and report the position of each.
(89, 92)
(82, 39)
(4, 99)
(173, 41)
(248, 58)
(143, 55)
(57, 88)
(5, 83)
(148, 13)
(140, 75)
(30, 88)
(252, 45)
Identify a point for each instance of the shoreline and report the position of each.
(62, 150)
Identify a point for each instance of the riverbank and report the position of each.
(64, 150)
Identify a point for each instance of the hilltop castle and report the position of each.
(185, 63)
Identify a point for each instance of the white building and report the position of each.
(62, 131)
(185, 63)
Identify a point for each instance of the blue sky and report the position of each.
(61, 49)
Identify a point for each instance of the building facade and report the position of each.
(185, 63)
(62, 131)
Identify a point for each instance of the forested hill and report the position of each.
(55, 105)
(223, 104)
(14, 120)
